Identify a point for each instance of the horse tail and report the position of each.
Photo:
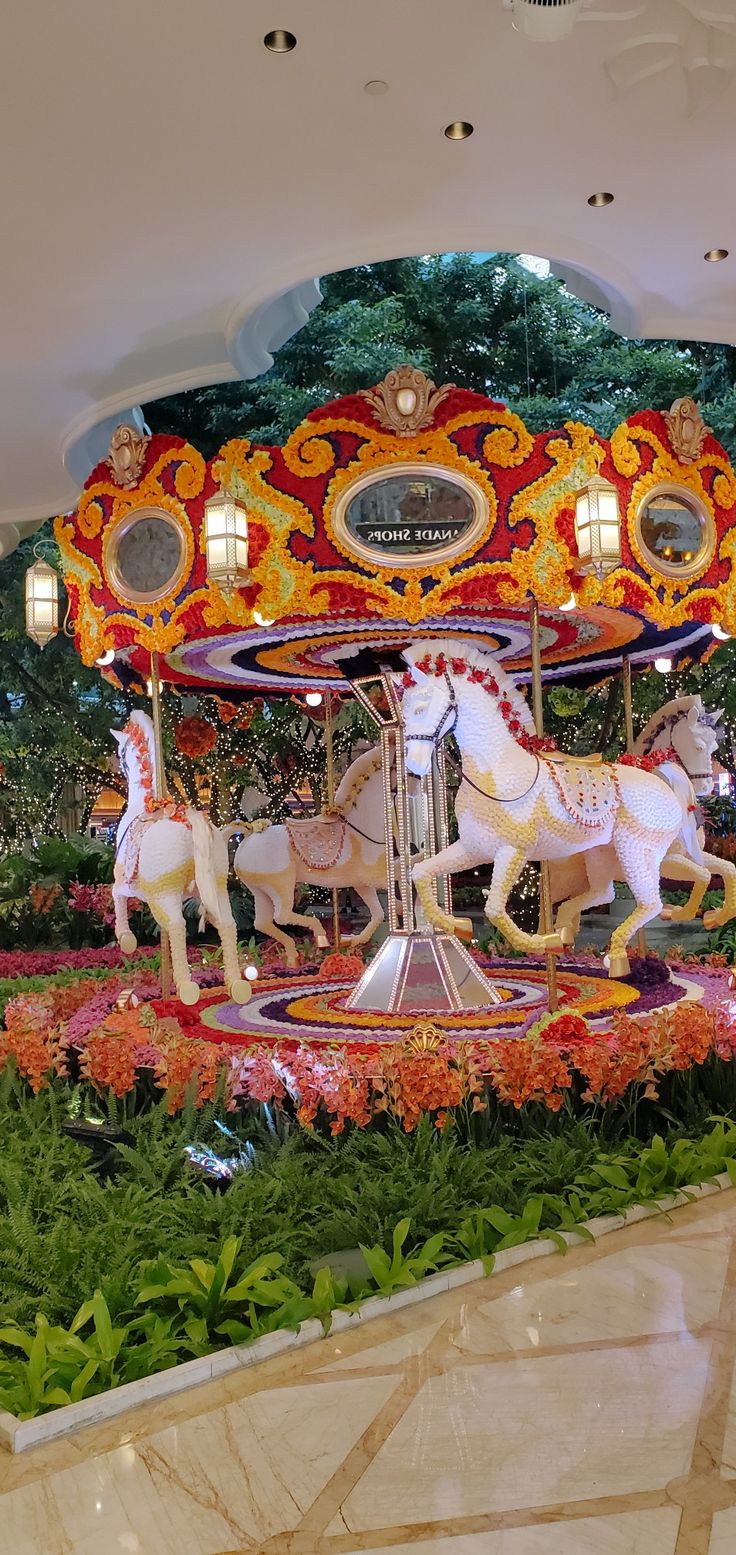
(204, 838)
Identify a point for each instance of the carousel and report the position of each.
(420, 549)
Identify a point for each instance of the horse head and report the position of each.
(428, 709)
(692, 733)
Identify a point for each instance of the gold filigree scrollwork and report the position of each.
(405, 400)
(686, 429)
(127, 455)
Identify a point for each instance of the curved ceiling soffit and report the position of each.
(254, 333)
(251, 338)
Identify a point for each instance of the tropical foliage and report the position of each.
(107, 1278)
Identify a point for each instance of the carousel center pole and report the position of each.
(641, 939)
(159, 792)
(330, 753)
(545, 890)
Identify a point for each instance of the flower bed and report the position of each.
(76, 1030)
(44, 963)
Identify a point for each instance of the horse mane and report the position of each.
(357, 775)
(661, 722)
(476, 658)
(139, 729)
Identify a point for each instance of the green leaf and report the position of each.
(78, 1387)
(400, 1234)
(378, 1264)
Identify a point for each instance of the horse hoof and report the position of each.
(188, 993)
(321, 942)
(464, 928)
(567, 934)
(712, 918)
(552, 943)
(127, 942)
(667, 913)
(618, 964)
(240, 990)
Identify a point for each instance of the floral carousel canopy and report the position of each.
(400, 512)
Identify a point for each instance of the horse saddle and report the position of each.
(593, 760)
(130, 847)
(318, 841)
(588, 793)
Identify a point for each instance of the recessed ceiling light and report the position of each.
(602, 198)
(458, 130)
(376, 88)
(280, 41)
(714, 254)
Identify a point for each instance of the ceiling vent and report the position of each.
(545, 21)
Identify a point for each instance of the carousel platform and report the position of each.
(305, 1007)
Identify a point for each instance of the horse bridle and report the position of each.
(669, 724)
(438, 733)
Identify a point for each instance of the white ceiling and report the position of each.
(163, 178)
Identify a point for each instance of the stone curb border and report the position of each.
(19, 1435)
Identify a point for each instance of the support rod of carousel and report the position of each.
(545, 890)
(641, 939)
(159, 792)
(330, 754)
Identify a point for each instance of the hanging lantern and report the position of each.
(226, 541)
(598, 526)
(42, 602)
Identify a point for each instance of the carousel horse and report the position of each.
(517, 801)
(683, 731)
(164, 851)
(344, 846)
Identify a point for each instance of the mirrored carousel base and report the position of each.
(423, 972)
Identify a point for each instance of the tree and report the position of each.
(55, 716)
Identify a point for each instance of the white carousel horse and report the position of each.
(683, 727)
(163, 852)
(343, 847)
(517, 803)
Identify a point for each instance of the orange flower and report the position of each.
(183, 1062)
(110, 1062)
(43, 897)
(226, 711)
(342, 966)
(195, 737)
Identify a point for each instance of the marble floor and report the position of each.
(574, 1406)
